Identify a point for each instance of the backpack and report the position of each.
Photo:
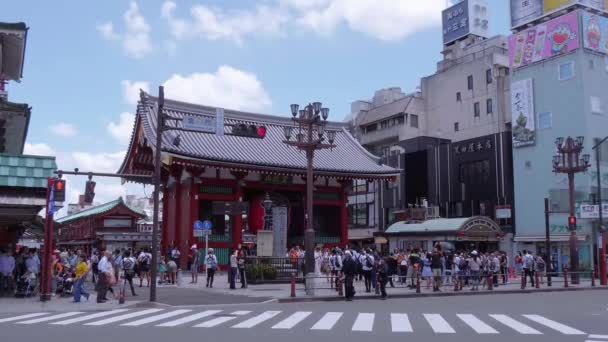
(128, 264)
(368, 261)
(338, 263)
(528, 262)
(463, 263)
(145, 260)
(540, 263)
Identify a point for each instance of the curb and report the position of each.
(440, 294)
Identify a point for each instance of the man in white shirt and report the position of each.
(367, 262)
(105, 270)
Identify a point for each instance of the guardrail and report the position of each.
(272, 269)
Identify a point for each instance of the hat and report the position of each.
(474, 252)
(193, 247)
(56, 251)
(210, 250)
(347, 253)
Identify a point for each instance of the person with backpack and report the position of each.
(475, 267)
(335, 263)
(540, 267)
(144, 260)
(128, 267)
(194, 264)
(211, 266)
(350, 271)
(383, 276)
(528, 265)
(367, 264)
(414, 267)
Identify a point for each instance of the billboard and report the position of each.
(552, 5)
(522, 116)
(595, 32)
(525, 11)
(546, 40)
(463, 18)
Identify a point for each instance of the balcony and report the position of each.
(417, 214)
(381, 135)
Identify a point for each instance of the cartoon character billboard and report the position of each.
(595, 32)
(549, 39)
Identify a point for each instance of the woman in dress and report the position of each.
(427, 273)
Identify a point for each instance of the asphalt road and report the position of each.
(525, 317)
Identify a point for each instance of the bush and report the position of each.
(261, 272)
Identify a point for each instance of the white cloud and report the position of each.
(136, 39)
(39, 149)
(122, 130)
(216, 24)
(98, 162)
(64, 129)
(228, 87)
(130, 90)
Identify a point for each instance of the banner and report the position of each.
(524, 11)
(595, 32)
(522, 107)
(553, 38)
(552, 5)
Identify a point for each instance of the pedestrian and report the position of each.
(128, 266)
(162, 271)
(495, 266)
(7, 272)
(241, 263)
(349, 268)
(504, 267)
(402, 261)
(475, 266)
(519, 263)
(234, 268)
(413, 268)
(383, 276)
(105, 276)
(94, 263)
(540, 267)
(117, 263)
(427, 272)
(528, 266)
(367, 262)
(171, 271)
(210, 266)
(175, 254)
(82, 269)
(194, 264)
(447, 272)
(144, 259)
(436, 268)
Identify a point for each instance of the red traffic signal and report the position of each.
(89, 192)
(59, 190)
(249, 131)
(572, 222)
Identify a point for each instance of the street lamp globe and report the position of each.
(331, 136)
(267, 202)
(325, 113)
(556, 159)
(294, 109)
(579, 141)
(287, 132)
(586, 159)
(317, 107)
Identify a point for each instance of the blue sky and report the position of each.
(84, 63)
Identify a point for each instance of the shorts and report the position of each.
(193, 268)
(144, 268)
(436, 272)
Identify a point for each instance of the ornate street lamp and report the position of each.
(267, 204)
(312, 135)
(568, 160)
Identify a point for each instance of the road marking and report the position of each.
(594, 341)
(328, 321)
(240, 313)
(602, 337)
(292, 320)
(124, 317)
(156, 318)
(564, 329)
(88, 317)
(215, 322)
(516, 325)
(438, 324)
(190, 318)
(252, 322)
(50, 318)
(400, 323)
(476, 324)
(364, 322)
(32, 315)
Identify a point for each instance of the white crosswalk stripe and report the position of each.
(328, 321)
(188, 319)
(252, 322)
(400, 323)
(215, 322)
(50, 318)
(124, 317)
(438, 324)
(364, 322)
(292, 320)
(601, 337)
(155, 318)
(564, 329)
(476, 324)
(89, 317)
(32, 315)
(516, 325)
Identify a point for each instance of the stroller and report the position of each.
(27, 285)
(65, 283)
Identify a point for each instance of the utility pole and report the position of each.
(548, 264)
(602, 231)
(155, 228)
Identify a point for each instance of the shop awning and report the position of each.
(554, 238)
(467, 226)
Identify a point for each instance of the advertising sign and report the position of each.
(595, 32)
(552, 5)
(592, 211)
(523, 11)
(549, 39)
(455, 22)
(522, 106)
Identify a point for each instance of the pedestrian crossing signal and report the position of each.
(249, 131)
(572, 222)
(59, 187)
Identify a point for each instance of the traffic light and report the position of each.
(59, 190)
(249, 131)
(89, 192)
(2, 135)
(572, 222)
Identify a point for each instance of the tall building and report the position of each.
(559, 61)
(451, 137)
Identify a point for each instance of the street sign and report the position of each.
(205, 124)
(219, 122)
(198, 225)
(206, 232)
(207, 225)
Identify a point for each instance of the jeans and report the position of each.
(210, 275)
(79, 289)
(102, 286)
(243, 279)
(5, 283)
(475, 279)
(529, 272)
(232, 277)
(367, 274)
(129, 279)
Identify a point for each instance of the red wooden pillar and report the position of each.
(343, 215)
(176, 174)
(170, 219)
(237, 228)
(186, 221)
(165, 223)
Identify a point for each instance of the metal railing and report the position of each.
(272, 269)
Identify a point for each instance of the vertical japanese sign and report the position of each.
(522, 108)
(455, 22)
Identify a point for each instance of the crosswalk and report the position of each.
(491, 324)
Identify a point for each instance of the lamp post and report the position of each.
(310, 123)
(568, 160)
(267, 204)
(602, 240)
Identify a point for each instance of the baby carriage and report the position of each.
(27, 285)
(65, 283)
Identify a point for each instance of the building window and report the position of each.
(384, 124)
(545, 120)
(358, 214)
(475, 173)
(489, 76)
(456, 127)
(476, 109)
(603, 152)
(489, 109)
(596, 105)
(371, 128)
(359, 186)
(414, 120)
(458, 97)
(470, 82)
(565, 71)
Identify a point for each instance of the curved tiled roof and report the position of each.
(96, 210)
(347, 157)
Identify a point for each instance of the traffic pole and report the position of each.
(537, 280)
(565, 277)
(293, 285)
(490, 282)
(47, 264)
(523, 280)
(417, 281)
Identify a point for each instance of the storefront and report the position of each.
(228, 180)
